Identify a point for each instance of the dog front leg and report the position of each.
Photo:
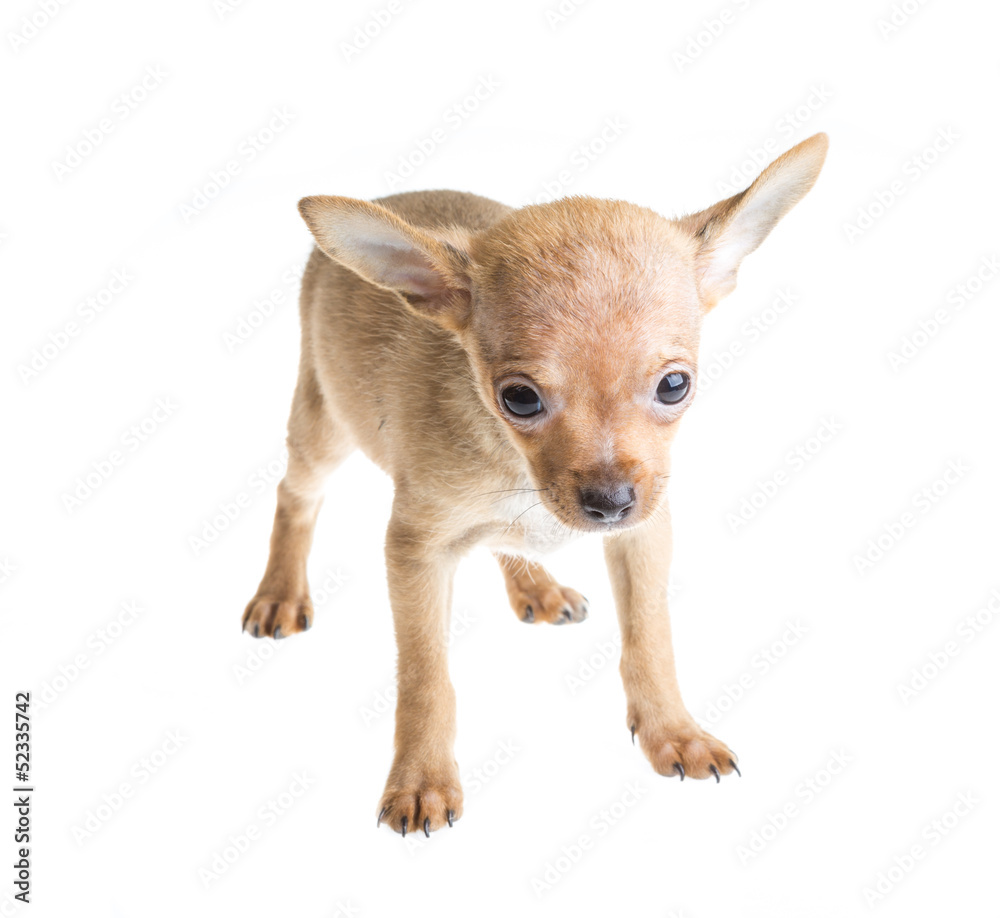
(639, 565)
(423, 791)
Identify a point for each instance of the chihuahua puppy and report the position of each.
(520, 374)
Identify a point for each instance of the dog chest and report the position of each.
(532, 530)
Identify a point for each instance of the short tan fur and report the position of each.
(430, 322)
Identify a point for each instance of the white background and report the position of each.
(533, 839)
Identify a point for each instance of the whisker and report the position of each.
(509, 491)
(516, 518)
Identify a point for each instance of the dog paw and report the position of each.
(550, 602)
(420, 806)
(684, 751)
(272, 616)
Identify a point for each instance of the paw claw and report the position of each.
(378, 821)
(422, 803)
(680, 747)
(633, 734)
(738, 772)
(267, 616)
(541, 600)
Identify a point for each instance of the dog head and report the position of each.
(581, 319)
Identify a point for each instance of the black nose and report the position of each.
(607, 505)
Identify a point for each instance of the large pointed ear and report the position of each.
(728, 231)
(429, 274)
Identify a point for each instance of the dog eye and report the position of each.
(673, 387)
(523, 401)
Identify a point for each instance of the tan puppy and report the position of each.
(520, 374)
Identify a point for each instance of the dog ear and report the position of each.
(728, 231)
(383, 248)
